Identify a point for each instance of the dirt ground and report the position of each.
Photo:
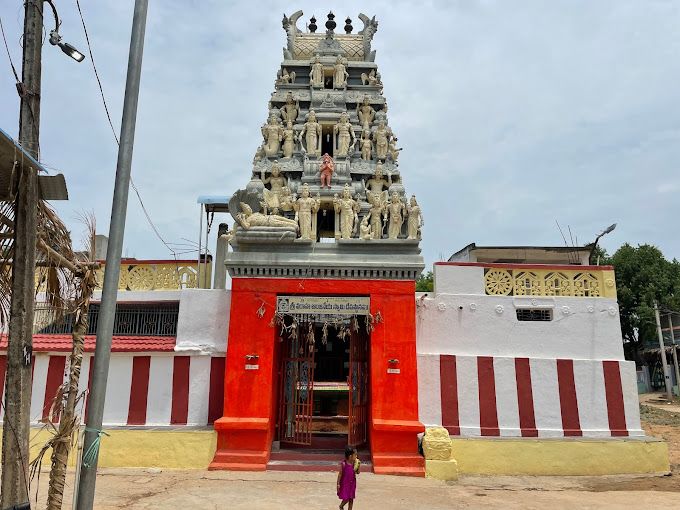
(140, 489)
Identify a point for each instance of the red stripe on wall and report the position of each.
(180, 391)
(139, 390)
(55, 378)
(568, 402)
(216, 395)
(488, 415)
(614, 392)
(525, 398)
(449, 393)
(3, 371)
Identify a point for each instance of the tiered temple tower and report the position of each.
(326, 193)
(325, 241)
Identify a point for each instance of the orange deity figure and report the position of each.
(326, 170)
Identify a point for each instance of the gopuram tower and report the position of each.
(325, 239)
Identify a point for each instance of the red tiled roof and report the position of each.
(119, 344)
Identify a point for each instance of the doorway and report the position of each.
(324, 382)
(327, 139)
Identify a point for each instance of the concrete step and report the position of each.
(312, 465)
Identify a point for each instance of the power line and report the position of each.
(113, 130)
(9, 56)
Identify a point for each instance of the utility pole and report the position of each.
(675, 351)
(666, 374)
(16, 425)
(107, 310)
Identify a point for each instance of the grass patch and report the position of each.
(657, 416)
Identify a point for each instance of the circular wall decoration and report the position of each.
(498, 282)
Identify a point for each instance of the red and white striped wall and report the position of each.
(155, 389)
(528, 397)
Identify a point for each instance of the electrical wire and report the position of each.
(9, 56)
(115, 136)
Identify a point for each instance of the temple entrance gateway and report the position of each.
(324, 379)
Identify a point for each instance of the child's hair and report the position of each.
(349, 451)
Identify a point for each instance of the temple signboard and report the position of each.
(326, 305)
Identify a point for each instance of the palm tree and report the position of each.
(69, 279)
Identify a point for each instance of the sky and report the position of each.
(512, 114)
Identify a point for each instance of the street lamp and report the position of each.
(55, 38)
(604, 232)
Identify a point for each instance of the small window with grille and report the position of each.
(534, 314)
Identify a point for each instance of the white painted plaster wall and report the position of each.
(203, 322)
(471, 325)
(135, 296)
(458, 279)
(160, 390)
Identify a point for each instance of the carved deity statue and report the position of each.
(348, 208)
(326, 169)
(247, 219)
(415, 218)
(286, 199)
(396, 209)
(392, 150)
(273, 134)
(305, 206)
(272, 197)
(366, 113)
(382, 137)
(288, 140)
(291, 109)
(378, 210)
(312, 130)
(372, 78)
(316, 74)
(283, 77)
(366, 145)
(340, 73)
(345, 134)
(377, 183)
(365, 229)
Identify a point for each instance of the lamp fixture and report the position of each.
(56, 40)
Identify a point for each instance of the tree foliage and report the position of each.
(643, 276)
(425, 282)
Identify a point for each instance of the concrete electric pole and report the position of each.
(662, 347)
(107, 310)
(16, 425)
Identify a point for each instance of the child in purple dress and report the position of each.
(347, 479)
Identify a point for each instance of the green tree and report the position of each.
(643, 276)
(425, 282)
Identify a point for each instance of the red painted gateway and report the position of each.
(322, 340)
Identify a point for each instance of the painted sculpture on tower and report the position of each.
(415, 218)
(312, 135)
(346, 137)
(247, 219)
(305, 206)
(272, 132)
(396, 210)
(272, 197)
(316, 73)
(348, 208)
(326, 170)
(327, 135)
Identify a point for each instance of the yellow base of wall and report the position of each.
(573, 456)
(194, 449)
(179, 449)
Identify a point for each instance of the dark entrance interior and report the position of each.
(325, 222)
(324, 382)
(327, 139)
